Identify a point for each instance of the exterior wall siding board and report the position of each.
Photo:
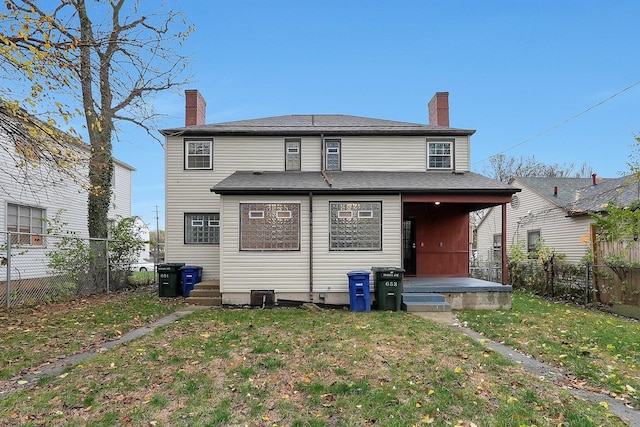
(383, 154)
(568, 236)
(281, 271)
(330, 268)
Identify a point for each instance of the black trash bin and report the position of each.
(169, 279)
(388, 287)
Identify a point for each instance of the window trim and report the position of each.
(298, 152)
(533, 252)
(186, 155)
(205, 223)
(496, 247)
(30, 237)
(337, 153)
(452, 145)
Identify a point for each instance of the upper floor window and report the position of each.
(332, 156)
(439, 155)
(198, 154)
(202, 228)
(292, 154)
(355, 226)
(269, 226)
(26, 219)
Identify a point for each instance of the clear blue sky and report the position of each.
(513, 70)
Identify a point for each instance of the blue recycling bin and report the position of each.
(359, 293)
(191, 274)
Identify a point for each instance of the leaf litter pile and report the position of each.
(293, 367)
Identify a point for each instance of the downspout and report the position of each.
(311, 246)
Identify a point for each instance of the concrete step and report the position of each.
(423, 297)
(205, 301)
(211, 293)
(416, 307)
(424, 302)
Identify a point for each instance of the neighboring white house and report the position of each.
(32, 193)
(555, 210)
(291, 204)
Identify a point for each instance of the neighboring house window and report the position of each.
(439, 155)
(355, 226)
(198, 154)
(533, 237)
(26, 219)
(497, 249)
(202, 228)
(332, 157)
(292, 154)
(269, 226)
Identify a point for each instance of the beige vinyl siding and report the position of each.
(402, 154)
(461, 153)
(281, 271)
(567, 236)
(311, 149)
(330, 268)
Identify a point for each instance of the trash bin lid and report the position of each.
(359, 273)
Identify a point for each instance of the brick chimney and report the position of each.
(195, 108)
(439, 109)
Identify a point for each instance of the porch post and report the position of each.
(503, 244)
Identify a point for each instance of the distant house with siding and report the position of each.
(290, 204)
(31, 194)
(555, 210)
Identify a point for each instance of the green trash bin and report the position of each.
(169, 283)
(388, 287)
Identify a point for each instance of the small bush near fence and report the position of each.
(55, 267)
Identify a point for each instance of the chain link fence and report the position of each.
(45, 268)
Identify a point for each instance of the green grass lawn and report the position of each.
(602, 350)
(31, 336)
(293, 367)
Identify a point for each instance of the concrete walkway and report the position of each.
(540, 370)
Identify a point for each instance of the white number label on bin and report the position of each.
(394, 284)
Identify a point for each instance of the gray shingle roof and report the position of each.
(579, 195)
(315, 124)
(252, 182)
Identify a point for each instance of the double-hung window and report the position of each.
(497, 249)
(439, 154)
(292, 154)
(533, 237)
(28, 220)
(198, 154)
(332, 154)
(355, 226)
(202, 228)
(270, 226)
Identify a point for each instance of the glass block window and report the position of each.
(269, 226)
(198, 154)
(202, 228)
(26, 219)
(439, 155)
(292, 154)
(332, 155)
(355, 226)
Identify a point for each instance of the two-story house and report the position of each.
(36, 191)
(291, 204)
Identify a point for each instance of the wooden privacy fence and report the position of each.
(617, 272)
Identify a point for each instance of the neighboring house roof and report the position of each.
(316, 124)
(579, 196)
(256, 182)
